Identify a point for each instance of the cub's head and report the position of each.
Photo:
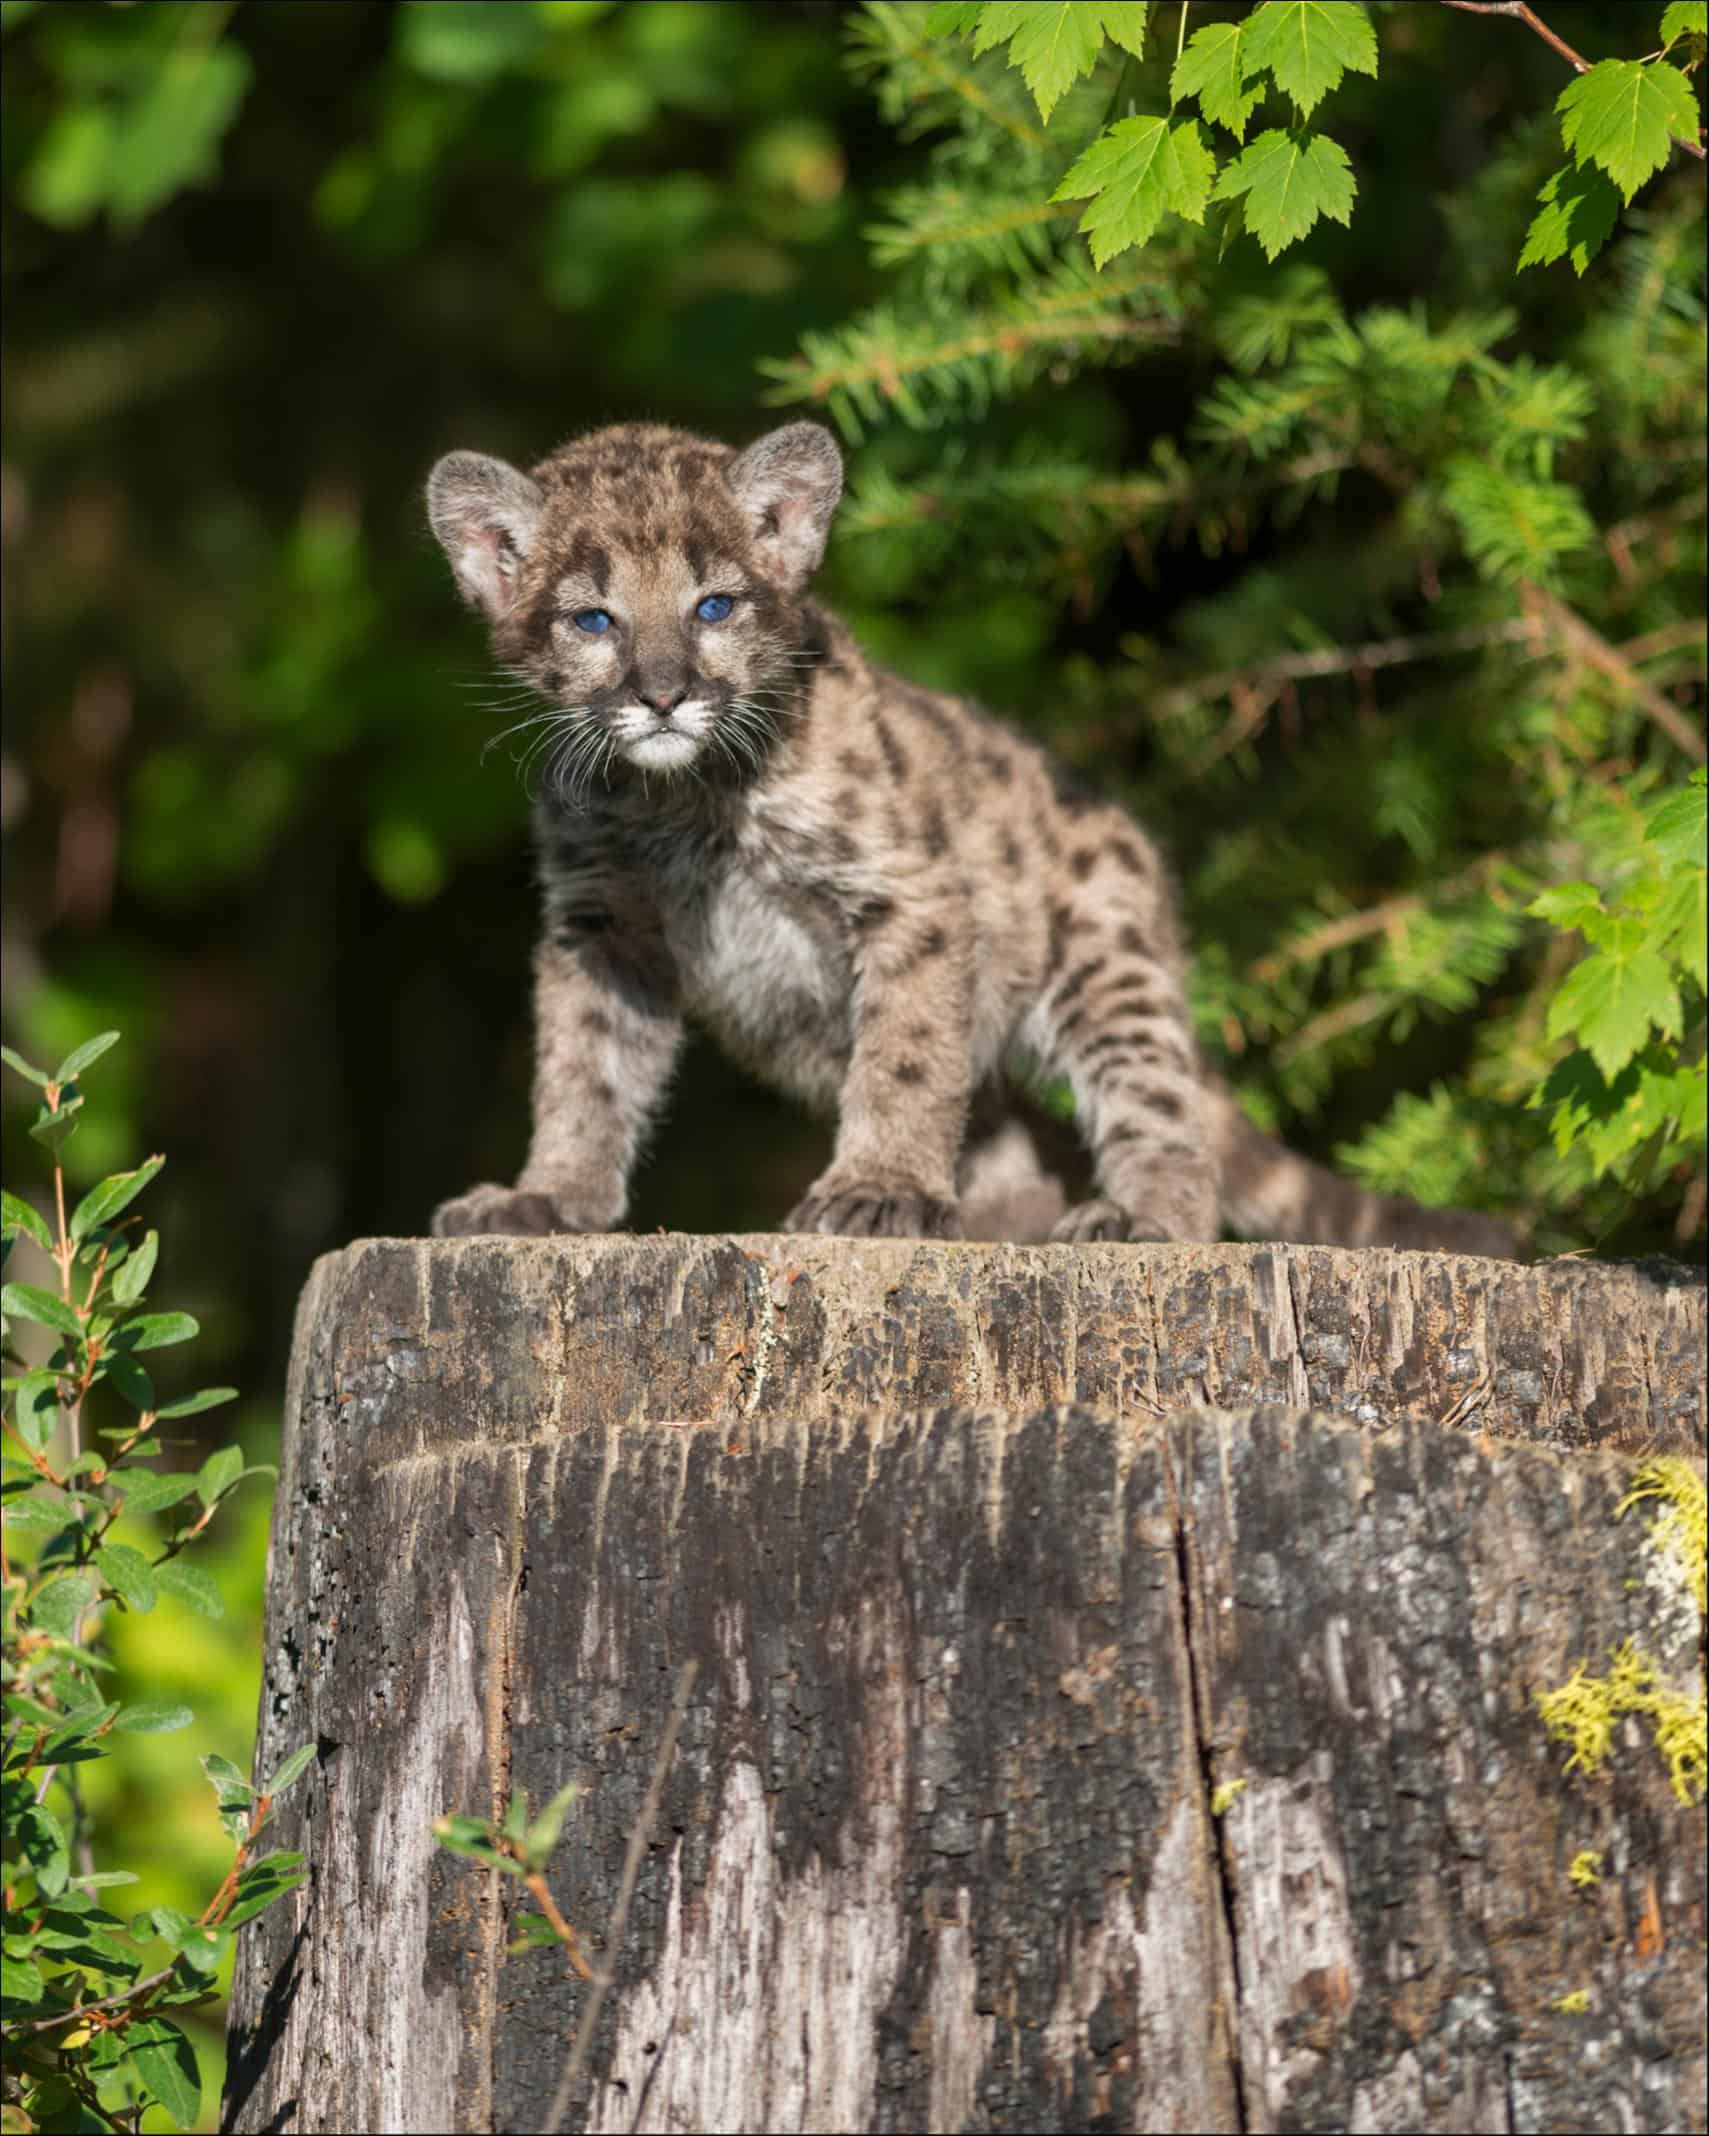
(649, 584)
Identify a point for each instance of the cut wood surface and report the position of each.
(1116, 1704)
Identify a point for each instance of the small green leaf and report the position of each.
(229, 1784)
(1677, 825)
(218, 1473)
(132, 1278)
(516, 1816)
(265, 1880)
(16, 1215)
(190, 1585)
(84, 1056)
(52, 1126)
(38, 1510)
(166, 2063)
(25, 1301)
(1679, 922)
(42, 1840)
(1684, 18)
(153, 1331)
(1055, 42)
(1625, 115)
(954, 18)
(155, 1716)
(23, 1068)
(1567, 904)
(99, 1879)
(1308, 45)
(1580, 209)
(1138, 170)
(128, 1379)
(292, 1770)
(471, 1837)
(128, 1573)
(111, 1196)
(1212, 69)
(191, 1405)
(544, 1832)
(20, 1981)
(60, 1602)
(147, 1491)
(531, 1930)
(1289, 180)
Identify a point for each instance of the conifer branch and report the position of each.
(1594, 650)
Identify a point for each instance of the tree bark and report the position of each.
(1116, 1703)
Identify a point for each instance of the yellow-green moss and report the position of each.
(1224, 1797)
(1585, 1867)
(1680, 1532)
(1584, 1709)
(1573, 2005)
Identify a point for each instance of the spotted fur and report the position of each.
(872, 894)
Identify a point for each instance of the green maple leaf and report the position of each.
(1289, 179)
(1054, 42)
(1625, 117)
(1138, 170)
(1212, 69)
(1613, 996)
(1567, 904)
(1679, 824)
(1689, 19)
(1308, 45)
(1679, 922)
(1580, 209)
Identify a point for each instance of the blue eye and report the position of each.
(592, 619)
(715, 607)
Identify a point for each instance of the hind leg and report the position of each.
(1113, 1018)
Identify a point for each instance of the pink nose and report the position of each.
(663, 697)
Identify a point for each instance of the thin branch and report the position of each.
(1344, 660)
(1591, 647)
(1532, 21)
(1374, 919)
(107, 2002)
(640, 1832)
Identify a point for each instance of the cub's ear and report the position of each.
(486, 515)
(788, 483)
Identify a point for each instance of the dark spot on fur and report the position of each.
(1060, 925)
(1073, 796)
(935, 831)
(1077, 980)
(920, 1034)
(895, 757)
(1127, 855)
(849, 803)
(694, 553)
(933, 942)
(1010, 850)
(1133, 942)
(1082, 861)
(857, 764)
(603, 1094)
(842, 847)
(596, 1021)
(1164, 1104)
(1111, 1137)
(909, 1072)
(872, 913)
(998, 764)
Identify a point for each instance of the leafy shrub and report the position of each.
(89, 2040)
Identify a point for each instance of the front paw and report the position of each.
(875, 1209)
(1092, 1220)
(510, 1210)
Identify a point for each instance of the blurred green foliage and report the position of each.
(1251, 545)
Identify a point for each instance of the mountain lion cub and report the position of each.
(873, 895)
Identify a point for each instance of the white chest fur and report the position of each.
(766, 972)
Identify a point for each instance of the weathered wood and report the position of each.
(937, 1850)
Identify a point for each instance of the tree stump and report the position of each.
(1116, 1704)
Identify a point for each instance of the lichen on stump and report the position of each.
(938, 1847)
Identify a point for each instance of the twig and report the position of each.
(639, 1834)
(1346, 660)
(565, 1931)
(1521, 13)
(1594, 649)
(107, 2002)
(1374, 919)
